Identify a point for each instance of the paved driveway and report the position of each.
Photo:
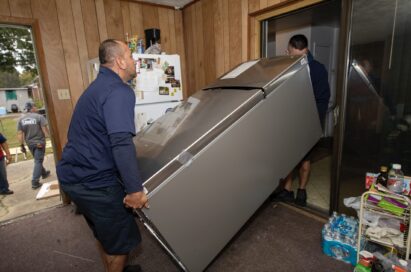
(23, 201)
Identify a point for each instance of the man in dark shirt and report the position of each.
(98, 168)
(32, 128)
(5, 158)
(298, 45)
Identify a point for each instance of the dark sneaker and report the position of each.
(45, 175)
(301, 198)
(35, 186)
(8, 192)
(132, 268)
(285, 196)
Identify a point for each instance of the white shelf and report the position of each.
(366, 206)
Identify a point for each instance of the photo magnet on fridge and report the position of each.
(164, 90)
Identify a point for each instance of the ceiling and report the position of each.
(172, 3)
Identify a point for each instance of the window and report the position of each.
(11, 95)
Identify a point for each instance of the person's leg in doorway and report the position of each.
(38, 170)
(38, 156)
(4, 184)
(287, 194)
(304, 171)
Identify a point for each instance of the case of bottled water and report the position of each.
(339, 238)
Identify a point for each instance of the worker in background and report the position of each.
(99, 169)
(32, 128)
(5, 158)
(298, 45)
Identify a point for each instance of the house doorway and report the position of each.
(20, 84)
(321, 25)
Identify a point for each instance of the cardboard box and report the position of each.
(48, 189)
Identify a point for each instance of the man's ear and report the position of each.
(121, 62)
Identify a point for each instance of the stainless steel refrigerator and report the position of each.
(210, 163)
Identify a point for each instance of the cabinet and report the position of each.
(385, 207)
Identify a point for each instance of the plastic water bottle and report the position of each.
(140, 46)
(395, 182)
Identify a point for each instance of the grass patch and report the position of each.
(8, 128)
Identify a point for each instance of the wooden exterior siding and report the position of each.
(69, 33)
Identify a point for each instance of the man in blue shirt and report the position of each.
(298, 45)
(5, 158)
(98, 169)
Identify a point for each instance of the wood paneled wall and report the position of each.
(218, 35)
(211, 36)
(70, 33)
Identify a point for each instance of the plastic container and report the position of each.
(140, 46)
(339, 238)
(383, 176)
(395, 182)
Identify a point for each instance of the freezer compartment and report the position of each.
(200, 205)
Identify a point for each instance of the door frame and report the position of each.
(256, 18)
(255, 23)
(341, 98)
(45, 84)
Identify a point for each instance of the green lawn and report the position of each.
(8, 127)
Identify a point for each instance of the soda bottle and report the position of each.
(383, 176)
(395, 182)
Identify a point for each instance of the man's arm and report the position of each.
(20, 137)
(45, 130)
(124, 154)
(6, 149)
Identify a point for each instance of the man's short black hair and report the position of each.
(108, 51)
(298, 41)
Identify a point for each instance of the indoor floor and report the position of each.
(277, 238)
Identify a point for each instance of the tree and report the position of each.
(10, 79)
(26, 78)
(16, 50)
